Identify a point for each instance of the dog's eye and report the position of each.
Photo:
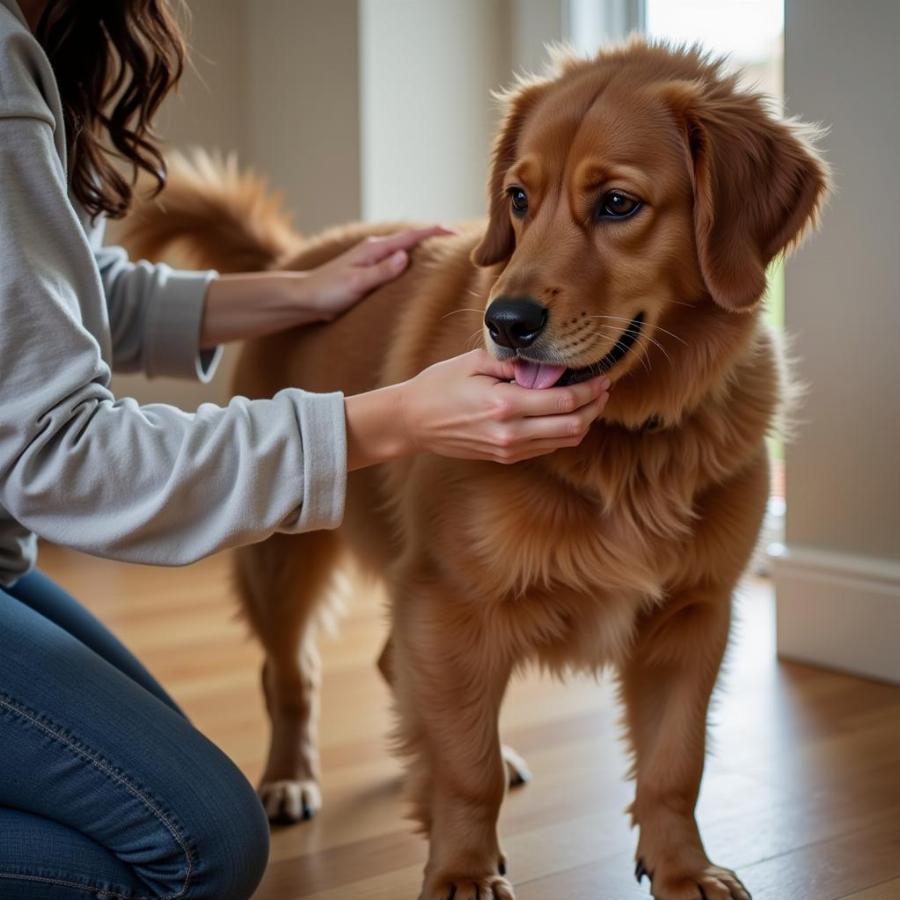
(518, 200)
(616, 205)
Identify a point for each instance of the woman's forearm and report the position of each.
(255, 304)
(260, 303)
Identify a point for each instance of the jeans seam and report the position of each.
(99, 892)
(94, 760)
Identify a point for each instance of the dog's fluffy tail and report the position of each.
(211, 215)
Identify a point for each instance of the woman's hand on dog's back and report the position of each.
(339, 284)
(466, 407)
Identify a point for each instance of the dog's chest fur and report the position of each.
(558, 565)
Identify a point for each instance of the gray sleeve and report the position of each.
(155, 314)
(150, 483)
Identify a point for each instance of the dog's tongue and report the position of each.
(537, 375)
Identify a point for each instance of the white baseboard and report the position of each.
(838, 610)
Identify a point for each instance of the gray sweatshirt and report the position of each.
(80, 467)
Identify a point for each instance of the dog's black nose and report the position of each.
(515, 323)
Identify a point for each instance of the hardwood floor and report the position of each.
(801, 795)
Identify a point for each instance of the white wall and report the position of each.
(839, 580)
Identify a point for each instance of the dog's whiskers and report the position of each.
(470, 342)
(649, 340)
(655, 327)
(644, 357)
(681, 303)
(653, 341)
(469, 309)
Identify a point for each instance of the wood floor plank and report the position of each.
(829, 869)
(887, 890)
(802, 792)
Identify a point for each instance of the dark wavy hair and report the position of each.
(114, 61)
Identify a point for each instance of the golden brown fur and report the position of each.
(623, 551)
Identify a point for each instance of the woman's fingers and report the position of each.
(531, 450)
(515, 401)
(457, 408)
(480, 362)
(557, 434)
(561, 429)
(371, 276)
(375, 249)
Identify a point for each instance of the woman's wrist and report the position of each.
(256, 304)
(377, 429)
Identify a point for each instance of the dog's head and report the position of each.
(627, 192)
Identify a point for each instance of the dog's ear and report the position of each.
(758, 185)
(499, 239)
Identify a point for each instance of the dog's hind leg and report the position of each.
(282, 582)
(517, 771)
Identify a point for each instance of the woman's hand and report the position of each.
(467, 408)
(340, 283)
(254, 304)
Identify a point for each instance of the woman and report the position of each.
(106, 790)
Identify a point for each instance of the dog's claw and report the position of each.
(501, 869)
(640, 871)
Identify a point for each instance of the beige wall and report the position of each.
(302, 119)
(209, 107)
(208, 111)
(533, 24)
(838, 579)
(277, 81)
(843, 290)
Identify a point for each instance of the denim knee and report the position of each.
(232, 844)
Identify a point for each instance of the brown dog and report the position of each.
(635, 202)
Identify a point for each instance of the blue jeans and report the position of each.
(106, 789)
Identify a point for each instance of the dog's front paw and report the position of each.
(708, 882)
(467, 887)
(517, 771)
(287, 802)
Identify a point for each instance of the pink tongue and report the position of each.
(537, 375)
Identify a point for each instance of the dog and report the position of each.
(635, 201)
